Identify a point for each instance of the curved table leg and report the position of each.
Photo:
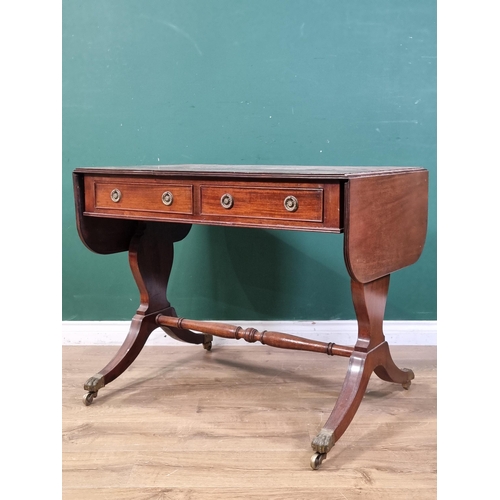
(151, 255)
(371, 354)
(140, 329)
(351, 394)
(388, 371)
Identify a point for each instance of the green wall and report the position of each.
(316, 82)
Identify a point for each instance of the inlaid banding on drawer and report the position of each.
(143, 197)
(297, 204)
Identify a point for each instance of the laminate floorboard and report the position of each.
(237, 423)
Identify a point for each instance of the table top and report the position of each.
(381, 210)
(252, 171)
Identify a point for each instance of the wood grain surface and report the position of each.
(237, 422)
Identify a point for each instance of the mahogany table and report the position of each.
(382, 212)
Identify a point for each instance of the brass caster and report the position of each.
(207, 343)
(411, 376)
(88, 398)
(317, 460)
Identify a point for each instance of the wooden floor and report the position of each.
(237, 423)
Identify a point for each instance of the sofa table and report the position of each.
(382, 212)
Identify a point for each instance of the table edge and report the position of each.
(251, 171)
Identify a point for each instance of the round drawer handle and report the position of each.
(291, 203)
(116, 195)
(167, 198)
(226, 201)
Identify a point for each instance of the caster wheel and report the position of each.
(406, 385)
(88, 398)
(207, 346)
(317, 460)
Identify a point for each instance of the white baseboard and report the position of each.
(340, 332)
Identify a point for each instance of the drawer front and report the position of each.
(119, 196)
(294, 204)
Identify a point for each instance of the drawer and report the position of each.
(294, 204)
(117, 196)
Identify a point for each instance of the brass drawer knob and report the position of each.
(291, 203)
(167, 198)
(226, 201)
(116, 195)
